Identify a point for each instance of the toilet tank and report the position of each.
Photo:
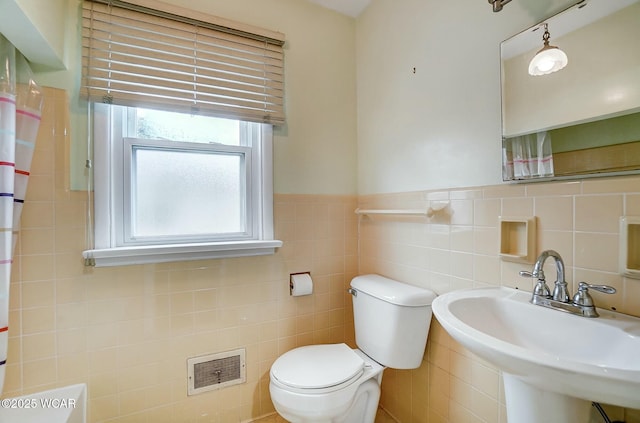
(391, 320)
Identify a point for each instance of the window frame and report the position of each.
(109, 134)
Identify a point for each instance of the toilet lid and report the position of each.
(317, 366)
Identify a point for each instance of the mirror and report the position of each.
(582, 120)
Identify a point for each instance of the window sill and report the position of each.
(122, 256)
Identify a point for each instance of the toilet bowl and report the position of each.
(332, 383)
(325, 383)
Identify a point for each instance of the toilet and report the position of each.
(337, 384)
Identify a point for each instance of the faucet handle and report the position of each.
(535, 274)
(526, 274)
(583, 298)
(606, 289)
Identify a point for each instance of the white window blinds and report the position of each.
(137, 56)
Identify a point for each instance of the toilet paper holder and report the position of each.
(292, 285)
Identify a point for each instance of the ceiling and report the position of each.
(351, 8)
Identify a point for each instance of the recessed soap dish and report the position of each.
(630, 246)
(518, 239)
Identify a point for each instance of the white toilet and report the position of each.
(334, 383)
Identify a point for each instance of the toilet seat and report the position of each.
(318, 367)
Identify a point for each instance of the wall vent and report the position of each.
(216, 371)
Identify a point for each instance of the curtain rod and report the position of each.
(190, 21)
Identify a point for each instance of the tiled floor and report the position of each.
(381, 417)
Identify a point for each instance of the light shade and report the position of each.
(548, 60)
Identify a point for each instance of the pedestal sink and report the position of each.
(554, 364)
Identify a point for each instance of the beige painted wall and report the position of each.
(315, 152)
(440, 126)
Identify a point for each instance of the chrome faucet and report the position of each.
(560, 292)
(581, 304)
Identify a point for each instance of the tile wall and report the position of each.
(127, 331)
(460, 250)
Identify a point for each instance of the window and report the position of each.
(183, 105)
(170, 186)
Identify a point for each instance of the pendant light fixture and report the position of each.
(549, 59)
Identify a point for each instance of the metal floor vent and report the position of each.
(216, 371)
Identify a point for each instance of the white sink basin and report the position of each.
(562, 357)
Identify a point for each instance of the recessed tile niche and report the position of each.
(518, 238)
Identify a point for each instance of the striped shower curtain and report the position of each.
(20, 108)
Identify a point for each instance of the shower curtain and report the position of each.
(20, 108)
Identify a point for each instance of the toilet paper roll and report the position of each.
(301, 284)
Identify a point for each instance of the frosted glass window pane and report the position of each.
(186, 193)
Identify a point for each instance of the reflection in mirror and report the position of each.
(585, 118)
